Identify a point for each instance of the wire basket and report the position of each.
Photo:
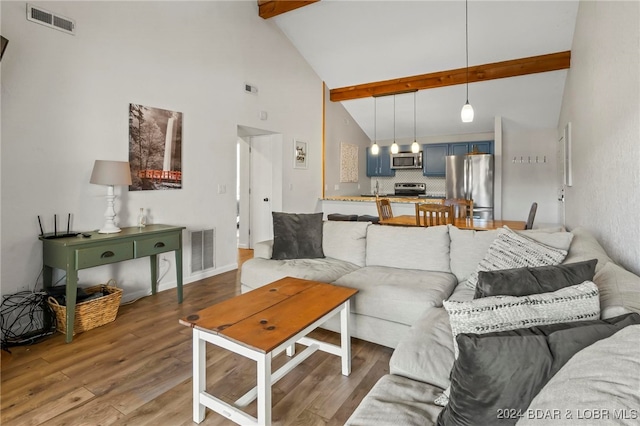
(92, 313)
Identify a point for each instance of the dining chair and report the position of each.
(384, 208)
(532, 215)
(431, 214)
(462, 208)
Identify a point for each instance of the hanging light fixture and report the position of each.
(394, 146)
(467, 110)
(375, 149)
(415, 148)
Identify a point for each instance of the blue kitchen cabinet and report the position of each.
(435, 154)
(433, 161)
(379, 165)
(461, 148)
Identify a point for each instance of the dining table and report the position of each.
(461, 223)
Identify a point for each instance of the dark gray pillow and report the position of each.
(497, 375)
(527, 281)
(297, 236)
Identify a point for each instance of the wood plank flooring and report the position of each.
(137, 371)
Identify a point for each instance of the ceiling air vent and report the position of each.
(49, 19)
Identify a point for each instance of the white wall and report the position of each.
(65, 104)
(602, 102)
(340, 128)
(526, 182)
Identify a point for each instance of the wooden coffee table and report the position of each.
(261, 324)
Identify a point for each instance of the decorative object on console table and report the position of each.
(300, 154)
(142, 218)
(110, 173)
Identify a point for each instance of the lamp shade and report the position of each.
(107, 172)
(467, 113)
(375, 149)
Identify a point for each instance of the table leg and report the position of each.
(179, 273)
(153, 259)
(199, 375)
(345, 338)
(72, 288)
(291, 350)
(264, 389)
(47, 276)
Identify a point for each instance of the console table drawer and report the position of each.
(95, 256)
(154, 245)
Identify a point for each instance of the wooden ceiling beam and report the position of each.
(270, 8)
(505, 69)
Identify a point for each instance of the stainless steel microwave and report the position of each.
(406, 160)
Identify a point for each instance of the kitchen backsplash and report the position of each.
(435, 185)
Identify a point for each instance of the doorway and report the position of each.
(259, 184)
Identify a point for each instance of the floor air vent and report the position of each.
(202, 250)
(49, 19)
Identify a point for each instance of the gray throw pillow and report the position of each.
(297, 236)
(527, 280)
(497, 375)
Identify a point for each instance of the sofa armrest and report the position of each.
(263, 249)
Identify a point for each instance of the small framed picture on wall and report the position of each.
(300, 154)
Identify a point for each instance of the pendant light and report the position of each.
(415, 148)
(375, 149)
(394, 146)
(467, 110)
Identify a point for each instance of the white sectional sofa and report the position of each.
(404, 275)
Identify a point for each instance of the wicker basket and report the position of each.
(92, 313)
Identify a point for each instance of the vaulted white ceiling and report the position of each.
(355, 42)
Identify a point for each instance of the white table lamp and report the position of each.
(110, 173)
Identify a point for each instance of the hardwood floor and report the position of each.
(137, 371)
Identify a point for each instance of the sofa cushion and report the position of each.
(399, 295)
(425, 353)
(469, 247)
(345, 241)
(297, 236)
(502, 313)
(513, 250)
(603, 376)
(525, 281)
(399, 401)
(505, 370)
(619, 290)
(584, 246)
(426, 249)
(263, 249)
(257, 272)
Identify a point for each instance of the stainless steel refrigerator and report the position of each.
(471, 177)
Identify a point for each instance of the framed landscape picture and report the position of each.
(155, 148)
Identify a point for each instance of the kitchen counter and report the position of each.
(366, 205)
(392, 198)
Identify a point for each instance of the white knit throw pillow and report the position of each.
(512, 250)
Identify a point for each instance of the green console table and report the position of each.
(80, 252)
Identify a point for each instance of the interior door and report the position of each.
(261, 197)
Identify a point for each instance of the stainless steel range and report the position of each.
(410, 189)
